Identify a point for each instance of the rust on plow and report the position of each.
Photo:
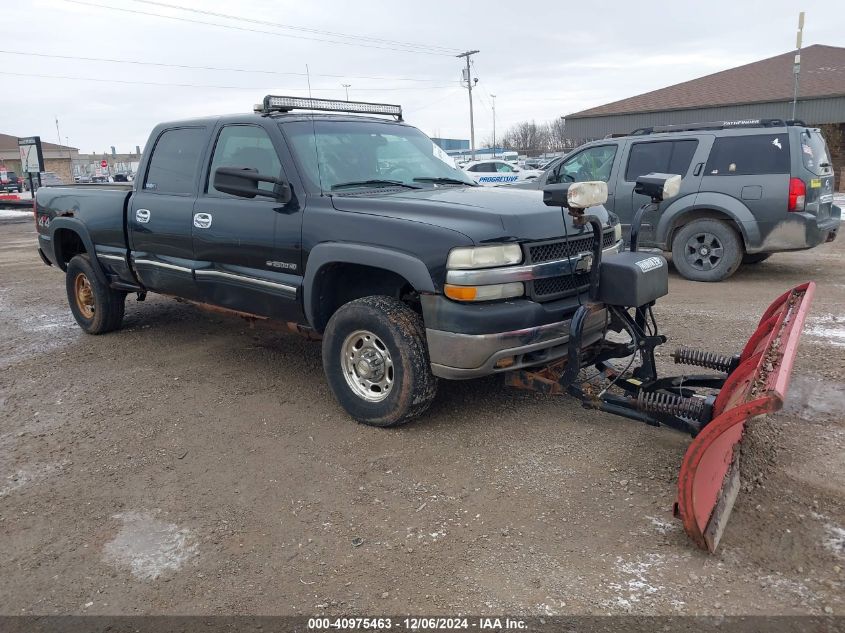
(709, 478)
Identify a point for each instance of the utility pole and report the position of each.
(493, 97)
(468, 78)
(347, 86)
(796, 67)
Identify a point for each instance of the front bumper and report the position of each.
(458, 356)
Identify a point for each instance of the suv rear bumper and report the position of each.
(458, 356)
(799, 231)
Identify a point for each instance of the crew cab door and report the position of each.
(160, 212)
(682, 156)
(248, 250)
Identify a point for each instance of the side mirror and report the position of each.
(658, 187)
(575, 195)
(243, 182)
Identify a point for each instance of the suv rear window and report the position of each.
(749, 155)
(665, 157)
(814, 152)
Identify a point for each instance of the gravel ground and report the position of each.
(189, 464)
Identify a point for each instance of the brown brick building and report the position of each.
(760, 90)
(57, 158)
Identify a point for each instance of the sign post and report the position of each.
(32, 159)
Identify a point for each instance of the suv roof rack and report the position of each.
(716, 125)
(273, 103)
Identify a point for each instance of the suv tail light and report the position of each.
(797, 192)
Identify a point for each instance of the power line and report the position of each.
(216, 87)
(185, 66)
(247, 29)
(443, 49)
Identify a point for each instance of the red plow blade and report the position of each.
(709, 478)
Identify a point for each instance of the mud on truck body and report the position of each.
(360, 231)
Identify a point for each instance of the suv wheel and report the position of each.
(375, 358)
(706, 250)
(96, 307)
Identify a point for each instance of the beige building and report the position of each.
(57, 158)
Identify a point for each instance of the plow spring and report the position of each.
(748, 385)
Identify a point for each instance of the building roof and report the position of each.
(9, 142)
(822, 75)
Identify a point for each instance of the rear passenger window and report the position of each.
(749, 155)
(175, 161)
(664, 157)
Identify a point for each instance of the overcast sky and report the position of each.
(541, 59)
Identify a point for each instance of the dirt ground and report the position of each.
(189, 464)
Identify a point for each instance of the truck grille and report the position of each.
(553, 288)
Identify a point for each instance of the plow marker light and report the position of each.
(708, 482)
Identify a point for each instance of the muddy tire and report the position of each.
(96, 307)
(376, 361)
(756, 258)
(707, 250)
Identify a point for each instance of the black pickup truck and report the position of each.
(342, 221)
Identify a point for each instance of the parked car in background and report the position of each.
(495, 172)
(122, 178)
(10, 183)
(82, 179)
(750, 188)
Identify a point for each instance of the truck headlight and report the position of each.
(484, 256)
(484, 293)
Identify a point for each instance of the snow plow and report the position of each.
(712, 407)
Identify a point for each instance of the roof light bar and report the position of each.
(274, 103)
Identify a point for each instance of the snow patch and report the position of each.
(28, 474)
(638, 585)
(835, 540)
(828, 327)
(662, 527)
(149, 547)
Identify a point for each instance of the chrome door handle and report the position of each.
(142, 215)
(202, 220)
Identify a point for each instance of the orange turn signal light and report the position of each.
(460, 293)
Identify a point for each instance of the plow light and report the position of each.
(658, 187)
(576, 195)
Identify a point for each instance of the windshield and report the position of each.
(814, 153)
(335, 154)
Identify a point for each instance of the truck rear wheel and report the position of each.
(376, 361)
(96, 307)
(706, 250)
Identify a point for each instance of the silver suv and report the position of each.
(749, 189)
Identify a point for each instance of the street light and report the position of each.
(346, 86)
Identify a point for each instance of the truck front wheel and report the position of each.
(96, 307)
(376, 361)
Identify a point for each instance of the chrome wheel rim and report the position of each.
(367, 366)
(704, 251)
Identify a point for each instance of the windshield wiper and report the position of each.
(445, 181)
(375, 183)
